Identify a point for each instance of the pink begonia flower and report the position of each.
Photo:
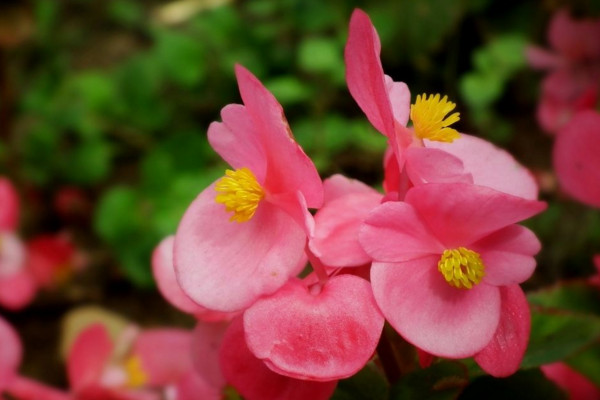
(321, 332)
(52, 259)
(432, 152)
(577, 157)
(254, 381)
(577, 386)
(447, 263)
(226, 261)
(10, 353)
(573, 82)
(10, 210)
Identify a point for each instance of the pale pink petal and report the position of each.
(429, 313)
(338, 185)
(288, 168)
(237, 141)
(11, 353)
(394, 232)
(88, 356)
(399, 96)
(254, 381)
(193, 387)
(10, 210)
(491, 166)
(226, 266)
(424, 165)
(102, 393)
(364, 73)
(459, 214)
(508, 255)
(577, 386)
(318, 335)
(206, 341)
(335, 240)
(540, 58)
(576, 157)
(165, 354)
(12, 254)
(503, 355)
(27, 389)
(17, 290)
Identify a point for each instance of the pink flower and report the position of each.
(574, 64)
(244, 236)
(52, 259)
(576, 157)
(577, 386)
(10, 354)
(447, 264)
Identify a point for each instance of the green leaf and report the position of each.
(321, 55)
(289, 90)
(524, 385)
(367, 384)
(441, 381)
(587, 362)
(182, 57)
(480, 90)
(126, 12)
(88, 163)
(117, 216)
(578, 296)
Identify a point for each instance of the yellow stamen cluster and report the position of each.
(136, 376)
(429, 118)
(462, 268)
(240, 193)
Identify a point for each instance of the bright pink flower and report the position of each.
(10, 210)
(447, 262)
(51, 259)
(576, 157)
(577, 386)
(10, 354)
(574, 62)
(226, 261)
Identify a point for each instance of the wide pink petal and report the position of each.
(226, 266)
(318, 335)
(254, 381)
(288, 168)
(17, 290)
(577, 386)
(206, 341)
(508, 255)
(335, 240)
(576, 157)
(503, 355)
(364, 74)
(429, 313)
(237, 141)
(28, 389)
(88, 356)
(193, 387)
(10, 210)
(165, 354)
(103, 393)
(394, 232)
(459, 214)
(491, 166)
(11, 353)
(338, 185)
(425, 165)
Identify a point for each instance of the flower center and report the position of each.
(462, 268)
(240, 193)
(136, 376)
(429, 118)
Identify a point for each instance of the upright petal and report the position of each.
(88, 357)
(10, 209)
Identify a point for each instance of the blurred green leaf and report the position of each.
(126, 12)
(441, 381)
(117, 215)
(577, 296)
(321, 55)
(587, 362)
(88, 163)
(367, 384)
(289, 90)
(182, 57)
(46, 12)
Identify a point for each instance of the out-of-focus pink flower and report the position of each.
(577, 386)
(10, 354)
(577, 157)
(10, 210)
(72, 203)
(447, 264)
(51, 259)
(244, 236)
(573, 82)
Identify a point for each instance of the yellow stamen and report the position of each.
(240, 193)
(429, 118)
(462, 268)
(136, 376)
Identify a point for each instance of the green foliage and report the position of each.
(441, 381)
(367, 384)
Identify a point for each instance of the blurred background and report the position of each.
(104, 107)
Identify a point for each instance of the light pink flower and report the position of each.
(226, 265)
(577, 386)
(10, 353)
(576, 157)
(447, 264)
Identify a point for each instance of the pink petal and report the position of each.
(193, 387)
(102, 393)
(165, 354)
(459, 214)
(17, 290)
(11, 353)
(431, 314)
(364, 74)
(226, 266)
(575, 39)
(318, 336)
(394, 232)
(508, 255)
(399, 96)
(12, 256)
(10, 210)
(48, 256)
(491, 166)
(338, 185)
(289, 169)
(206, 341)
(577, 386)
(335, 240)
(254, 381)
(88, 356)
(503, 355)
(540, 58)
(576, 157)
(425, 165)
(27, 389)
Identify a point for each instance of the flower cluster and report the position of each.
(439, 255)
